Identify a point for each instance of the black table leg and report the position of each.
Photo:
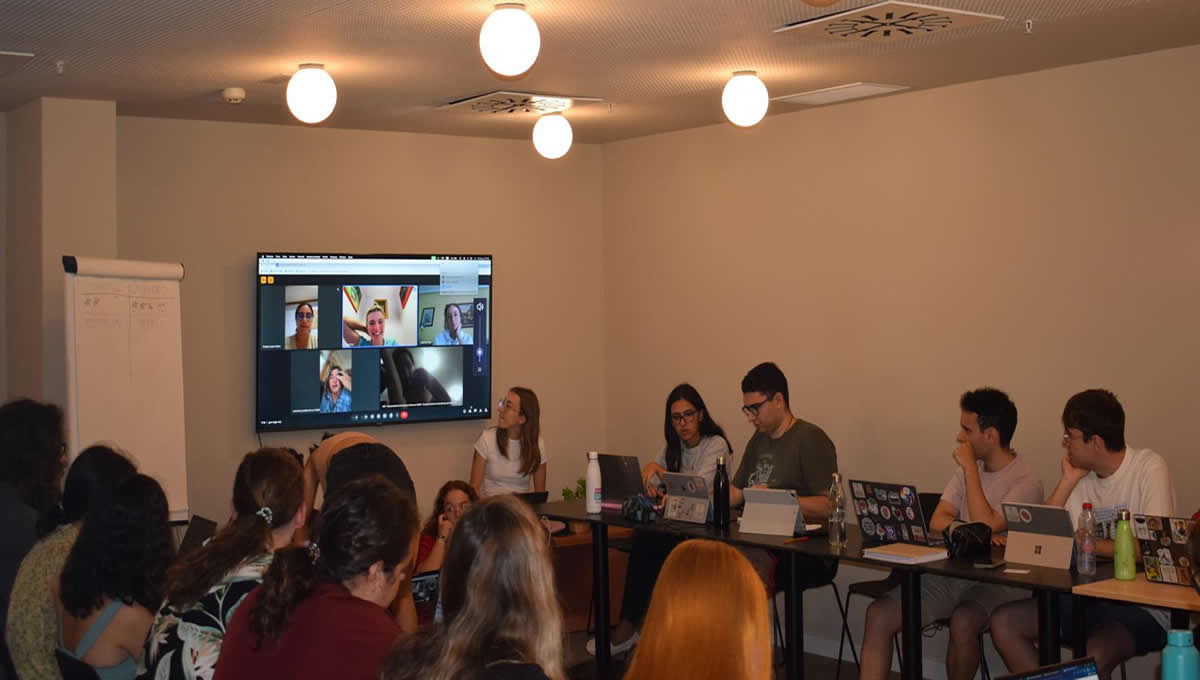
(1048, 644)
(910, 606)
(600, 591)
(1078, 626)
(793, 620)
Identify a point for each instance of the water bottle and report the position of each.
(1085, 542)
(721, 495)
(1180, 660)
(593, 483)
(1124, 569)
(837, 514)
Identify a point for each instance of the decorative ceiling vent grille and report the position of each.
(888, 21)
(503, 101)
(839, 93)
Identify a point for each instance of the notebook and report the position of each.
(1163, 544)
(1079, 669)
(1040, 535)
(890, 513)
(905, 553)
(620, 478)
(687, 498)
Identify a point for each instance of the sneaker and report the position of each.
(614, 649)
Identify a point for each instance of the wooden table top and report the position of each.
(1140, 591)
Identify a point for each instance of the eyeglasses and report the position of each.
(1067, 437)
(304, 315)
(752, 409)
(680, 418)
(457, 507)
(505, 406)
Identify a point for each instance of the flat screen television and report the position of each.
(351, 340)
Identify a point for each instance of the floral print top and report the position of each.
(184, 642)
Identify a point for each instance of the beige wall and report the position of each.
(23, 247)
(1038, 233)
(211, 195)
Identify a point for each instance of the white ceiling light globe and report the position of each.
(311, 94)
(509, 40)
(744, 99)
(552, 136)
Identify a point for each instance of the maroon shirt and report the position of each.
(330, 634)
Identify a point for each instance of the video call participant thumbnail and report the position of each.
(335, 391)
(453, 333)
(305, 336)
(421, 375)
(379, 316)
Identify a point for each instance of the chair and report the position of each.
(872, 590)
(74, 669)
(842, 608)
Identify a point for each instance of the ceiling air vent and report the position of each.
(502, 101)
(888, 21)
(839, 93)
(11, 60)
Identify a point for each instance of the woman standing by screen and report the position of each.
(511, 455)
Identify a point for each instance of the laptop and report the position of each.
(425, 594)
(687, 498)
(620, 478)
(1040, 535)
(534, 497)
(199, 530)
(773, 512)
(1163, 544)
(890, 513)
(1079, 669)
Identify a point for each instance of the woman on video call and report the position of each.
(454, 333)
(335, 391)
(512, 454)
(305, 336)
(374, 330)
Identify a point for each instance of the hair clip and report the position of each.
(265, 513)
(314, 551)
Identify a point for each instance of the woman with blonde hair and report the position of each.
(501, 617)
(702, 582)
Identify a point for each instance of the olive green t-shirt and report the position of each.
(803, 459)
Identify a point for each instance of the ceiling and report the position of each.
(658, 65)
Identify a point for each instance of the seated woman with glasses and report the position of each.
(305, 336)
(511, 455)
(694, 441)
(453, 499)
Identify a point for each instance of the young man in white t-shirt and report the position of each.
(1100, 469)
(988, 473)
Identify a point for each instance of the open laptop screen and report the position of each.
(1079, 669)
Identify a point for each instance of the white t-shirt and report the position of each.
(1141, 485)
(503, 474)
(701, 460)
(1013, 483)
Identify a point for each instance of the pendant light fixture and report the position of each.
(509, 40)
(311, 94)
(744, 99)
(552, 136)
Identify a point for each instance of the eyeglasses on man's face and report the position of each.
(684, 417)
(752, 409)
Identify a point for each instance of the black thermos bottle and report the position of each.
(721, 495)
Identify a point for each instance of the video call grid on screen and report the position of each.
(348, 340)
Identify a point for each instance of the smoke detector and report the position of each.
(233, 95)
(888, 21)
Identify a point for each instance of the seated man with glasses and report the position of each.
(784, 453)
(305, 336)
(1100, 469)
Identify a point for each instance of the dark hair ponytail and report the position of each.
(363, 522)
(268, 478)
(707, 426)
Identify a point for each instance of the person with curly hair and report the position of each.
(32, 461)
(205, 587)
(113, 579)
(321, 611)
(453, 499)
(32, 631)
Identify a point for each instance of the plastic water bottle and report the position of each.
(1123, 566)
(593, 483)
(721, 495)
(1180, 660)
(837, 514)
(1085, 542)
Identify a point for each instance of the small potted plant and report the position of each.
(578, 493)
